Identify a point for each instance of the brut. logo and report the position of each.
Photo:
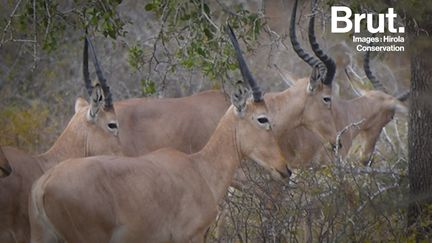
(371, 26)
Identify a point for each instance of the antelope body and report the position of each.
(91, 124)
(185, 124)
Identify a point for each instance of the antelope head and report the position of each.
(377, 85)
(253, 132)
(98, 116)
(380, 111)
(101, 107)
(316, 114)
(394, 103)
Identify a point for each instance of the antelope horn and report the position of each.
(404, 96)
(101, 78)
(247, 75)
(309, 59)
(366, 66)
(328, 61)
(86, 74)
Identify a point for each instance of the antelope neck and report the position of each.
(220, 157)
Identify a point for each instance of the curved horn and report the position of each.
(366, 66)
(404, 96)
(247, 75)
(101, 78)
(85, 70)
(311, 60)
(328, 61)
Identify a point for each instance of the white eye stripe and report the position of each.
(327, 99)
(112, 125)
(263, 121)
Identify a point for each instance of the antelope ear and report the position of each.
(80, 103)
(314, 79)
(96, 102)
(239, 97)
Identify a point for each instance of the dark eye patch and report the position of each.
(263, 120)
(112, 125)
(327, 99)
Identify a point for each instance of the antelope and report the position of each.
(92, 130)
(374, 108)
(164, 196)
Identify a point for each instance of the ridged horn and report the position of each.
(366, 66)
(328, 61)
(247, 75)
(86, 74)
(101, 78)
(309, 59)
(404, 96)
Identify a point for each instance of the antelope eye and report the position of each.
(112, 125)
(263, 120)
(327, 99)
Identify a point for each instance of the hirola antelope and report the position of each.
(93, 130)
(164, 196)
(374, 108)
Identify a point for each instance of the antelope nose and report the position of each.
(289, 172)
(286, 173)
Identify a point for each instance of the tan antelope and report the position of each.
(164, 196)
(91, 131)
(375, 108)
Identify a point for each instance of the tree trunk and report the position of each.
(420, 139)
